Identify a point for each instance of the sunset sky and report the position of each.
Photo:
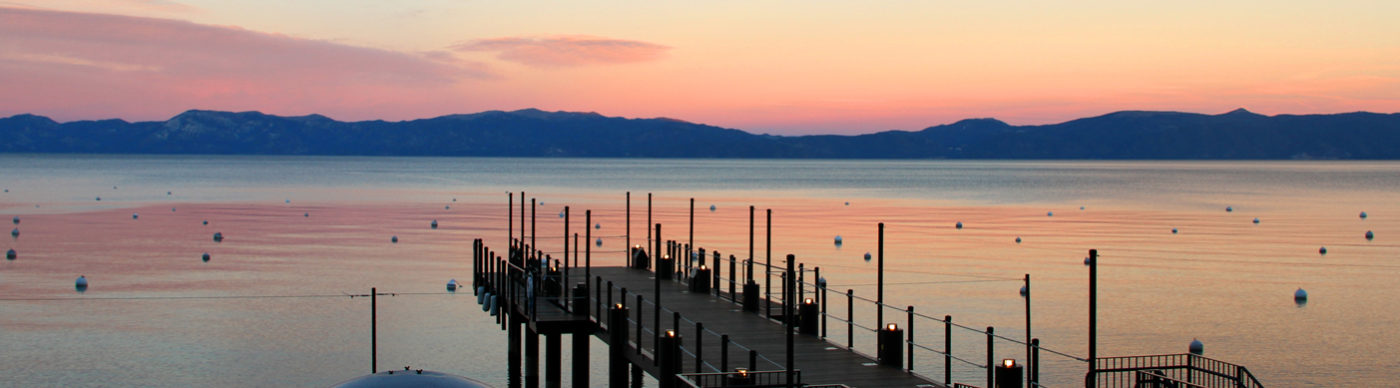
(785, 67)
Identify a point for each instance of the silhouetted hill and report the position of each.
(1239, 134)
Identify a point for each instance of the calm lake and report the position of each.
(272, 306)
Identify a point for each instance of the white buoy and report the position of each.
(11, 255)
(486, 301)
(561, 214)
(99, 199)
(81, 284)
(1300, 295)
(1363, 215)
(454, 199)
(1081, 208)
(206, 222)
(1018, 239)
(306, 215)
(172, 210)
(494, 300)
(1049, 214)
(1256, 220)
(598, 242)
(867, 256)
(206, 257)
(1229, 209)
(167, 193)
(287, 201)
(1173, 230)
(1322, 251)
(838, 240)
(434, 224)
(14, 233)
(1370, 235)
(135, 216)
(959, 225)
(712, 208)
(1086, 261)
(480, 294)
(218, 236)
(1197, 348)
(448, 207)
(394, 239)
(16, 220)
(597, 226)
(848, 203)
(452, 285)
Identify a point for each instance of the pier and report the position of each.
(692, 320)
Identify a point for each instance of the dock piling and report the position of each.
(617, 345)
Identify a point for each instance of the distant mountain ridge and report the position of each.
(1238, 134)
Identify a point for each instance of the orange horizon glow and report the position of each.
(780, 67)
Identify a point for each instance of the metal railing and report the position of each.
(1170, 370)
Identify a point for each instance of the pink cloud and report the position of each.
(82, 65)
(565, 51)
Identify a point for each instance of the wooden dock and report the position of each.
(676, 320)
(820, 362)
(717, 337)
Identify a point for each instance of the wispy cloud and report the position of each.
(52, 61)
(566, 50)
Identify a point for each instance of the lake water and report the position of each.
(272, 306)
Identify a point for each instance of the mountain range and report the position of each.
(1239, 134)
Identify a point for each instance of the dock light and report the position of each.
(617, 306)
(1009, 363)
(702, 267)
(891, 327)
(670, 334)
(741, 372)
(808, 301)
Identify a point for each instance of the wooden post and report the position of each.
(732, 295)
(724, 353)
(1091, 379)
(649, 224)
(691, 241)
(948, 350)
(588, 247)
(1029, 359)
(699, 346)
(510, 219)
(533, 243)
(749, 278)
(627, 249)
(580, 359)
(788, 321)
(880, 283)
(617, 346)
(768, 266)
(553, 365)
(656, 267)
(910, 331)
(1035, 364)
(640, 307)
(373, 331)
(513, 340)
(564, 283)
(668, 356)
(991, 360)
